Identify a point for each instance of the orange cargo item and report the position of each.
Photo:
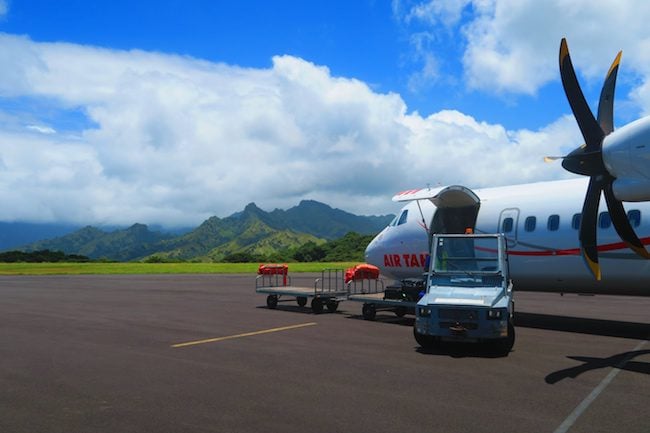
(363, 271)
(274, 269)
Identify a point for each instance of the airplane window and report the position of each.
(575, 221)
(634, 216)
(403, 217)
(506, 226)
(553, 222)
(393, 222)
(530, 223)
(604, 220)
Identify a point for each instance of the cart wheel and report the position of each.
(369, 311)
(317, 305)
(302, 301)
(332, 306)
(400, 311)
(272, 301)
(427, 342)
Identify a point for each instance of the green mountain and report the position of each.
(320, 220)
(266, 247)
(323, 221)
(251, 231)
(121, 245)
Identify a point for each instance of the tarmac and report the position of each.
(203, 353)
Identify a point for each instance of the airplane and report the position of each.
(549, 238)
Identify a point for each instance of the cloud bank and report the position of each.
(126, 136)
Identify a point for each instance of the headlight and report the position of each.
(496, 314)
(424, 311)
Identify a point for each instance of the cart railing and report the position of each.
(365, 286)
(277, 280)
(330, 281)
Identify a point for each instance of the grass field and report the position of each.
(154, 268)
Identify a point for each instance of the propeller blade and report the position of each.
(606, 103)
(588, 242)
(588, 125)
(552, 158)
(621, 222)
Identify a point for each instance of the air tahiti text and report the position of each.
(406, 260)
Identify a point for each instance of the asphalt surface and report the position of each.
(96, 354)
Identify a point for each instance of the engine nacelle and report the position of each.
(626, 154)
(632, 189)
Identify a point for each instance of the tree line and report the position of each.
(349, 248)
(41, 256)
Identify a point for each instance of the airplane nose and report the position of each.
(372, 252)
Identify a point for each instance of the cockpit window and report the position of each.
(403, 217)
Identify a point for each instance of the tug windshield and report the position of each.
(466, 255)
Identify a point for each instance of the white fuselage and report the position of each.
(544, 255)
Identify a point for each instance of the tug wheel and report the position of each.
(332, 306)
(302, 301)
(504, 346)
(427, 342)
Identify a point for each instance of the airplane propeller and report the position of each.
(587, 160)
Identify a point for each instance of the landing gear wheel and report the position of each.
(427, 342)
(317, 305)
(272, 301)
(400, 311)
(332, 306)
(302, 301)
(369, 311)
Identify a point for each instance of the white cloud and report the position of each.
(176, 139)
(41, 129)
(511, 46)
(447, 12)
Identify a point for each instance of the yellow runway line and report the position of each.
(248, 334)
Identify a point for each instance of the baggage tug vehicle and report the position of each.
(468, 292)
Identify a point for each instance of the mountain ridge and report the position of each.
(250, 231)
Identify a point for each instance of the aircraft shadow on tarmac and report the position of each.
(621, 361)
(607, 328)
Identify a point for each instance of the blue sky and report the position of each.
(367, 39)
(159, 112)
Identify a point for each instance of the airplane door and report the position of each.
(508, 222)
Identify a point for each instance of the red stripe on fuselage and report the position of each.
(411, 260)
(573, 251)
